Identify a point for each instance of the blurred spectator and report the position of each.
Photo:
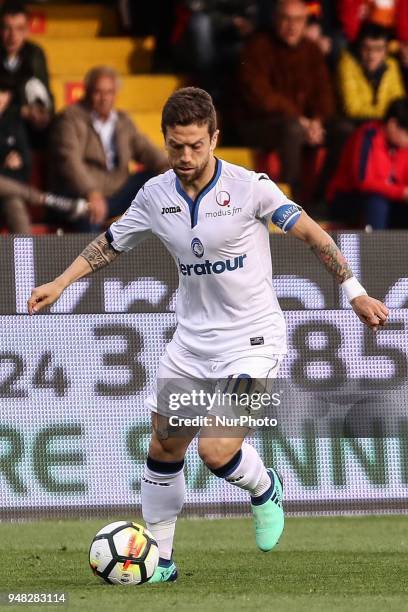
(371, 182)
(203, 38)
(92, 145)
(368, 78)
(314, 29)
(25, 63)
(139, 18)
(214, 31)
(402, 56)
(368, 81)
(16, 196)
(387, 13)
(15, 157)
(324, 29)
(15, 193)
(286, 90)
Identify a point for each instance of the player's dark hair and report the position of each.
(187, 106)
(13, 7)
(398, 110)
(373, 31)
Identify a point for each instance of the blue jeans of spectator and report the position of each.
(117, 202)
(358, 209)
(377, 211)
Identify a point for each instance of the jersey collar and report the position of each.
(193, 205)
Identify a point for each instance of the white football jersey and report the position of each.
(220, 244)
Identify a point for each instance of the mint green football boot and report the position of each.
(163, 573)
(268, 514)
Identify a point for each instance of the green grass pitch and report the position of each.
(323, 564)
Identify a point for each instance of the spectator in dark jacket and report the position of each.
(25, 63)
(285, 89)
(370, 186)
(15, 162)
(15, 157)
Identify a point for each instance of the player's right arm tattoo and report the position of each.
(99, 253)
(333, 259)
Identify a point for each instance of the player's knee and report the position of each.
(214, 453)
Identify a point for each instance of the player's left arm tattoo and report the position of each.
(333, 259)
(323, 246)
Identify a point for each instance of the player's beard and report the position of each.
(194, 176)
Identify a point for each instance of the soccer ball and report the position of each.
(124, 553)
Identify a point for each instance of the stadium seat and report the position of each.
(72, 20)
(149, 124)
(67, 56)
(238, 155)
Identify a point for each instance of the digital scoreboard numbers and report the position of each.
(74, 427)
(117, 356)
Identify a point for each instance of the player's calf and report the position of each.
(162, 492)
(245, 469)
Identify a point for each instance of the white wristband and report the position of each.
(352, 288)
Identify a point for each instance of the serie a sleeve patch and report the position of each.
(286, 216)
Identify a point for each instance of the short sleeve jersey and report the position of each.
(220, 244)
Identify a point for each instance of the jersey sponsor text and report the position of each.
(208, 267)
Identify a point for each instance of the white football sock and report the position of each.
(246, 471)
(162, 491)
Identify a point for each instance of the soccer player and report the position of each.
(213, 218)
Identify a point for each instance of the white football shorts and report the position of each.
(184, 378)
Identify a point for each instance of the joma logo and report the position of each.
(170, 209)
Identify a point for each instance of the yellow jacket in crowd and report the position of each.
(359, 98)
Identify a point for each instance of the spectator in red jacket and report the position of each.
(389, 14)
(371, 182)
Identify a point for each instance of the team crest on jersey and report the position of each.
(223, 198)
(197, 247)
